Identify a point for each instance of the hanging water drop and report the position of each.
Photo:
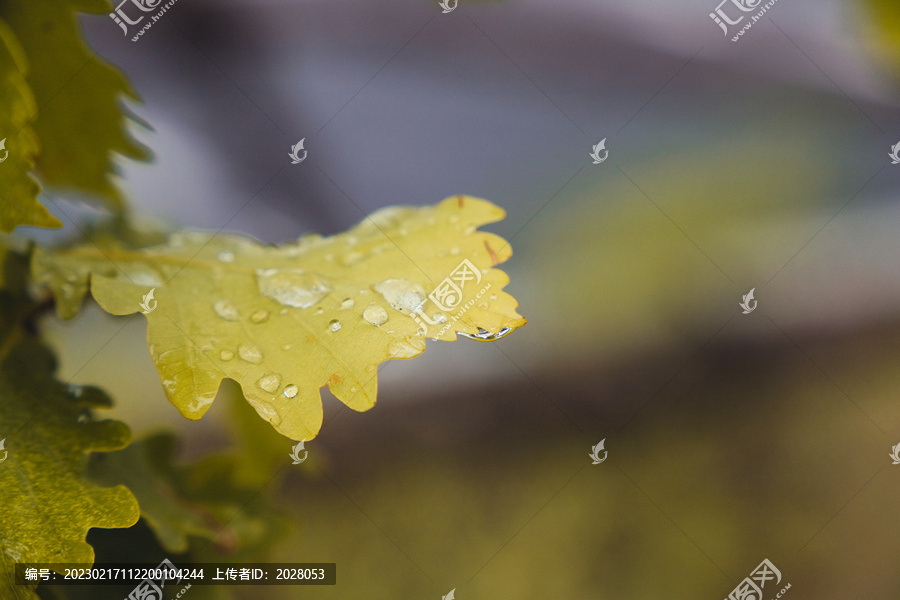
(484, 335)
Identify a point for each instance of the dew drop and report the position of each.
(406, 347)
(144, 278)
(334, 325)
(403, 295)
(259, 316)
(269, 383)
(439, 318)
(226, 257)
(226, 310)
(226, 354)
(290, 390)
(352, 258)
(469, 230)
(347, 303)
(250, 353)
(375, 315)
(266, 410)
(292, 287)
(320, 310)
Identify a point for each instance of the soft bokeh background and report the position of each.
(732, 438)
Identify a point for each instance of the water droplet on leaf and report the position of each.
(226, 310)
(250, 353)
(375, 315)
(347, 303)
(270, 383)
(259, 316)
(292, 287)
(266, 410)
(403, 295)
(334, 325)
(290, 390)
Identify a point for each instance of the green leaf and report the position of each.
(202, 500)
(284, 321)
(145, 467)
(18, 203)
(48, 505)
(80, 122)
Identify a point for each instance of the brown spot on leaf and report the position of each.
(494, 259)
(461, 200)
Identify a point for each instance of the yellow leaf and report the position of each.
(283, 321)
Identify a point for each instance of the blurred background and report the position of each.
(760, 164)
